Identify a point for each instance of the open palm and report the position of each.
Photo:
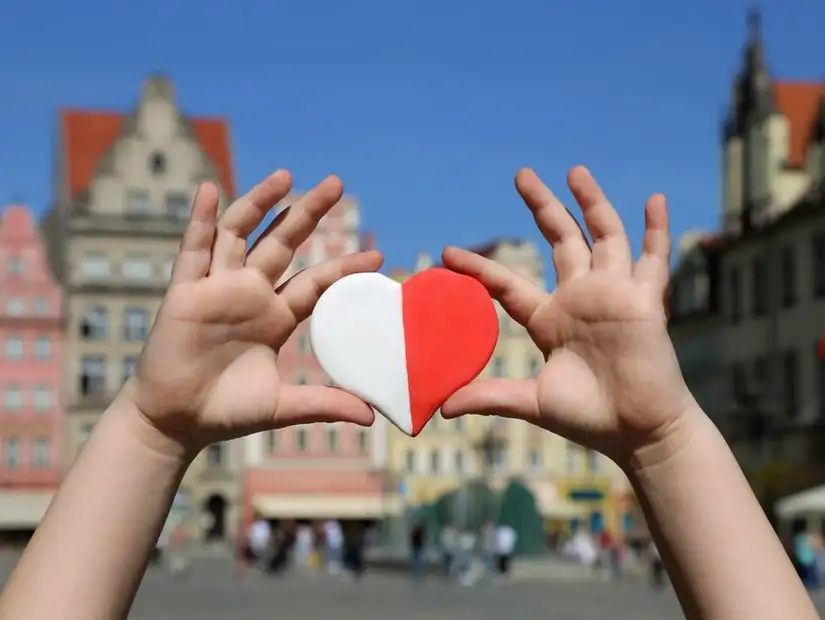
(208, 370)
(611, 380)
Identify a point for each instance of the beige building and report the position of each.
(569, 482)
(751, 300)
(123, 186)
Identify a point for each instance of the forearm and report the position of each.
(88, 555)
(725, 561)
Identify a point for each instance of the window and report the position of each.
(14, 266)
(592, 461)
(818, 264)
(332, 439)
(157, 163)
(459, 425)
(299, 263)
(498, 367)
(95, 324)
(301, 379)
(129, 364)
(788, 280)
(138, 203)
(15, 307)
(11, 453)
(42, 307)
(362, 441)
(93, 374)
(14, 347)
(498, 459)
(790, 382)
(13, 398)
(535, 367)
(41, 452)
(135, 324)
(95, 266)
(301, 439)
(43, 347)
(458, 461)
(168, 265)
(435, 462)
(759, 286)
(177, 206)
(735, 292)
(410, 461)
(760, 370)
(572, 458)
(271, 442)
(534, 459)
(42, 398)
(137, 268)
(215, 454)
(303, 342)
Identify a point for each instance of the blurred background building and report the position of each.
(31, 415)
(746, 302)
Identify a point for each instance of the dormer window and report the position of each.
(157, 163)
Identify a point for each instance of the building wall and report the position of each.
(113, 236)
(31, 416)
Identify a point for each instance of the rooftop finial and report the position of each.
(754, 23)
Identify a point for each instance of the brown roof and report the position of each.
(87, 135)
(799, 102)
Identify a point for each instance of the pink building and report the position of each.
(30, 374)
(319, 471)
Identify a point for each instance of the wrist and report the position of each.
(679, 435)
(134, 423)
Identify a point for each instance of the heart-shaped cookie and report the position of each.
(404, 348)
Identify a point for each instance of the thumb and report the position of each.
(510, 398)
(304, 404)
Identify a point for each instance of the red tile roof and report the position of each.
(799, 102)
(87, 135)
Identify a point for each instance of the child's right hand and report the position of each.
(611, 380)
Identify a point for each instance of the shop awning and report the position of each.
(23, 509)
(800, 504)
(326, 506)
(550, 504)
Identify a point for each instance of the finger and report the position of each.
(654, 263)
(302, 291)
(275, 249)
(519, 297)
(571, 254)
(243, 216)
(305, 404)
(510, 398)
(611, 248)
(195, 253)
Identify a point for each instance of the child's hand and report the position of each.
(208, 371)
(611, 381)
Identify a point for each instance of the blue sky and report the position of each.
(426, 109)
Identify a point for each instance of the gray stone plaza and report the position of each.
(211, 590)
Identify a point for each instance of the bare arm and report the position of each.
(88, 555)
(725, 561)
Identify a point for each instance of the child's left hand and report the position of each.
(208, 371)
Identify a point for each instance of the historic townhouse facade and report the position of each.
(760, 282)
(31, 416)
(123, 186)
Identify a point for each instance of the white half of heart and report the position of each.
(357, 335)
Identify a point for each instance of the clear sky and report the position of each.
(426, 109)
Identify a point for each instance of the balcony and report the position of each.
(138, 288)
(93, 399)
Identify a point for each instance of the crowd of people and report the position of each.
(306, 545)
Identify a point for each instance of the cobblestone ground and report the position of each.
(211, 591)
